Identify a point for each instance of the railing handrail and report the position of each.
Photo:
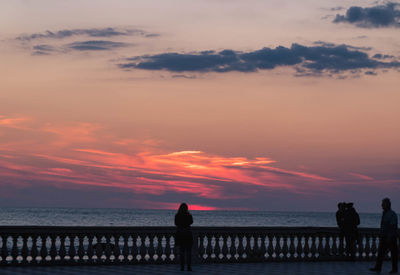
(2, 227)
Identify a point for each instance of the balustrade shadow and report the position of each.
(48, 245)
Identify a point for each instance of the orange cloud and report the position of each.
(73, 133)
(85, 154)
(361, 176)
(14, 122)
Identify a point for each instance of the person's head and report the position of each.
(386, 204)
(183, 208)
(349, 205)
(341, 205)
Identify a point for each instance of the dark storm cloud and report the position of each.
(102, 32)
(373, 17)
(95, 45)
(313, 60)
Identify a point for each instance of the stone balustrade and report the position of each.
(63, 245)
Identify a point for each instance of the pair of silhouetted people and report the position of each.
(388, 237)
(348, 219)
(184, 236)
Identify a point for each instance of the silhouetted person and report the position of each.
(340, 216)
(351, 220)
(184, 236)
(388, 237)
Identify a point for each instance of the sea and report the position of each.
(140, 217)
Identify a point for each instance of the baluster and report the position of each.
(209, 247)
(81, 249)
(138, 246)
(4, 251)
(99, 249)
(320, 249)
(256, 248)
(328, 250)
(285, 247)
(240, 248)
(247, 247)
(71, 250)
(151, 250)
(278, 247)
(135, 248)
(299, 248)
(62, 252)
(44, 250)
(14, 249)
(159, 248)
(125, 249)
(34, 251)
(107, 248)
(360, 242)
(313, 248)
(167, 249)
(367, 246)
(212, 247)
(201, 248)
(90, 252)
(335, 250)
(117, 248)
(217, 248)
(374, 247)
(143, 248)
(53, 249)
(24, 250)
(231, 248)
(306, 248)
(270, 248)
(263, 248)
(292, 249)
(224, 247)
(341, 246)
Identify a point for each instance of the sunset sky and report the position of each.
(223, 104)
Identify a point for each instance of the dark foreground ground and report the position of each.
(306, 268)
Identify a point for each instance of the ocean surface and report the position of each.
(135, 217)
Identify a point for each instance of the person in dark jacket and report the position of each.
(388, 237)
(340, 216)
(351, 220)
(184, 236)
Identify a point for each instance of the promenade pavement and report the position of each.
(300, 268)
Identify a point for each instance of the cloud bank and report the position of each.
(324, 57)
(67, 40)
(373, 17)
(95, 45)
(82, 46)
(95, 32)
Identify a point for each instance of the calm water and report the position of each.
(134, 217)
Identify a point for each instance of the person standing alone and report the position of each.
(184, 236)
(388, 237)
